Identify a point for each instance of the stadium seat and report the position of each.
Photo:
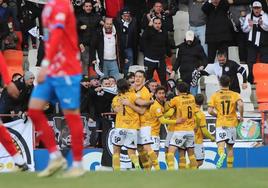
(262, 91)
(32, 57)
(260, 71)
(14, 61)
(233, 54)
(135, 68)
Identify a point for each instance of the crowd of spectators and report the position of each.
(112, 35)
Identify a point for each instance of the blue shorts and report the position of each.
(63, 89)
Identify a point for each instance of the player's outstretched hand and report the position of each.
(42, 75)
(13, 90)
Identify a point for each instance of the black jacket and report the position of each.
(84, 100)
(189, 58)
(218, 28)
(155, 44)
(92, 22)
(127, 37)
(9, 104)
(231, 68)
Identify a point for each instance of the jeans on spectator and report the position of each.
(85, 60)
(129, 56)
(194, 90)
(200, 32)
(160, 69)
(110, 68)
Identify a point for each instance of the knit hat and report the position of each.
(189, 35)
(256, 4)
(28, 75)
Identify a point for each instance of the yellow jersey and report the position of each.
(145, 95)
(200, 121)
(126, 118)
(224, 101)
(156, 111)
(185, 108)
(170, 127)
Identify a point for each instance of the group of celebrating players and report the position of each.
(139, 115)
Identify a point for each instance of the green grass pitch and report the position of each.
(233, 178)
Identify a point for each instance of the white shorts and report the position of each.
(182, 139)
(199, 152)
(168, 137)
(144, 136)
(156, 145)
(227, 134)
(125, 137)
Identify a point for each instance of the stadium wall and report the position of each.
(244, 158)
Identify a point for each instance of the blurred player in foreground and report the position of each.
(5, 138)
(59, 80)
(223, 105)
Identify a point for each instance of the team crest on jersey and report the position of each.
(226, 69)
(60, 16)
(158, 110)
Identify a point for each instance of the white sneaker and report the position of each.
(53, 166)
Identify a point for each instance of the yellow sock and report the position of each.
(170, 161)
(116, 161)
(220, 151)
(135, 161)
(153, 157)
(182, 163)
(230, 161)
(193, 163)
(144, 160)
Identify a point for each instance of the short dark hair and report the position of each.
(87, 1)
(160, 88)
(221, 52)
(225, 81)
(183, 87)
(129, 75)
(142, 72)
(158, 1)
(102, 79)
(199, 99)
(122, 85)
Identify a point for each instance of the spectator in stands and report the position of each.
(112, 81)
(130, 77)
(108, 50)
(255, 25)
(10, 105)
(13, 11)
(88, 24)
(103, 95)
(165, 10)
(224, 66)
(29, 13)
(4, 14)
(11, 40)
(152, 85)
(155, 46)
(197, 21)
(218, 28)
(84, 101)
(239, 9)
(191, 57)
(127, 33)
(98, 7)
